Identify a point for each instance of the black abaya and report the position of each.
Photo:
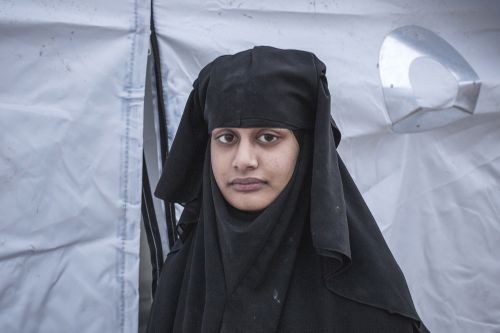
(314, 260)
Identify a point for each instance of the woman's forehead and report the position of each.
(250, 129)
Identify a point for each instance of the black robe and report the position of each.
(314, 260)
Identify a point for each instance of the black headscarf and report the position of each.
(314, 259)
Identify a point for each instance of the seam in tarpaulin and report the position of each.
(126, 192)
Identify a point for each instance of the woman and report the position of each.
(277, 237)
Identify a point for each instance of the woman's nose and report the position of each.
(245, 157)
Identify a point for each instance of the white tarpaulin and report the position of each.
(71, 117)
(436, 193)
(71, 102)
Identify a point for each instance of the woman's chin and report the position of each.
(250, 202)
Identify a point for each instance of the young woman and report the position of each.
(277, 237)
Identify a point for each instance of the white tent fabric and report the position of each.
(71, 111)
(435, 194)
(71, 119)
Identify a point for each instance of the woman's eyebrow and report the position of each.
(219, 130)
(278, 130)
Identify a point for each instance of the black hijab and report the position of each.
(314, 259)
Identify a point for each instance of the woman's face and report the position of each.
(252, 166)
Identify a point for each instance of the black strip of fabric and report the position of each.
(151, 226)
(159, 90)
(169, 207)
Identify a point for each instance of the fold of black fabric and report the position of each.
(315, 245)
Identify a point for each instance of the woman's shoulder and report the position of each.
(183, 243)
(186, 226)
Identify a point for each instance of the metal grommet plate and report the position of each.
(401, 47)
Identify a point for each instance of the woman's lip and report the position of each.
(247, 184)
(248, 180)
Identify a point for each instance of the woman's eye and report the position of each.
(226, 138)
(267, 138)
